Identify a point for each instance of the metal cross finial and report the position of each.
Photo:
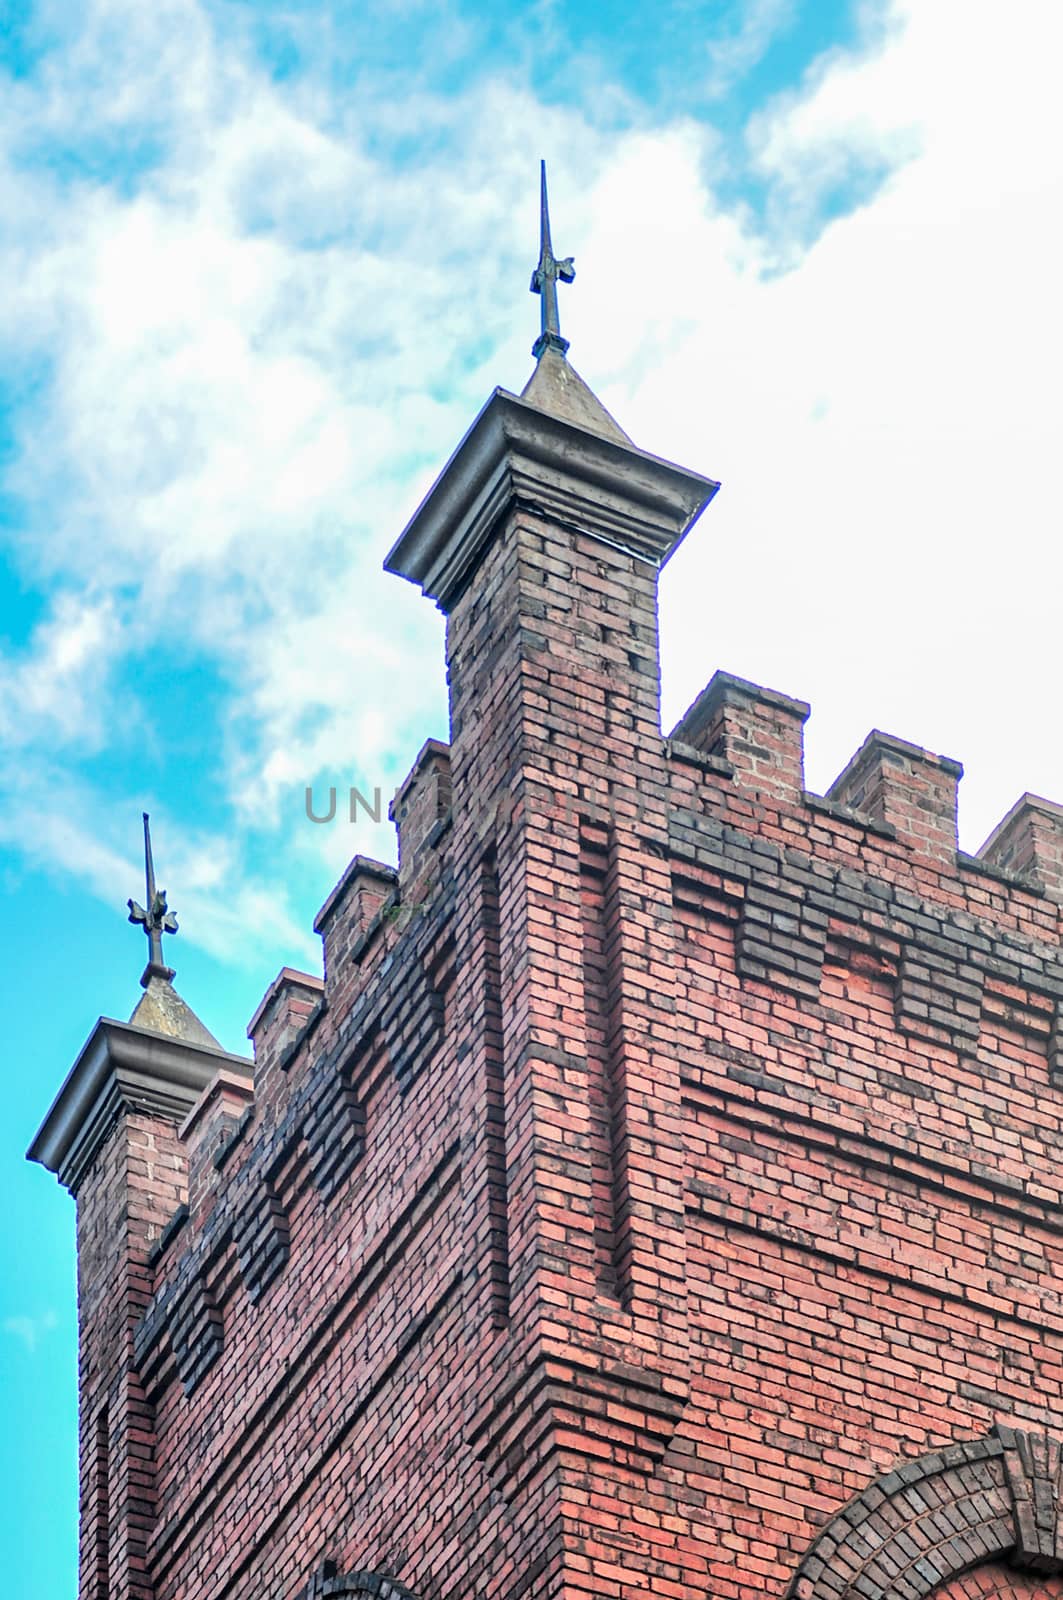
(156, 920)
(544, 280)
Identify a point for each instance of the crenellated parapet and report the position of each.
(1029, 844)
(906, 788)
(366, 890)
(758, 732)
(754, 736)
(290, 1004)
(870, 872)
(317, 1136)
(421, 808)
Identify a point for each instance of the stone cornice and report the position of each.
(122, 1067)
(516, 453)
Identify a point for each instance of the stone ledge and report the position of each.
(123, 1068)
(516, 453)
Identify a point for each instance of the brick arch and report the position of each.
(920, 1526)
(999, 1582)
(327, 1582)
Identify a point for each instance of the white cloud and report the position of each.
(28, 1330)
(732, 54)
(884, 416)
(855, 116)
(57, 822)
(53, 690)
(264, 348)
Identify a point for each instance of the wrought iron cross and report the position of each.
(545, 277)
(156, 920)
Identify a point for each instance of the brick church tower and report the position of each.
(662, 1193)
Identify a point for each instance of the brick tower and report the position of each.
(660, 1196)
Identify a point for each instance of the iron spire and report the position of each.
(544, 279)
(156, 920)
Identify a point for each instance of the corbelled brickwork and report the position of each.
(663, 1193)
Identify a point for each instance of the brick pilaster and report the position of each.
(137, 1182)
(575, 1271)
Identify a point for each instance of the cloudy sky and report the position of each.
(262, 263)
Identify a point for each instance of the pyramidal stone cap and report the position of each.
(161, 1009)
(158, 1063)
(556, 451)
(557, 387)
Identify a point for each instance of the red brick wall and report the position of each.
(682, 1161)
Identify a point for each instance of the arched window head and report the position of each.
(994, 1503)
(328, 1581)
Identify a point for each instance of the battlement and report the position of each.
(758, 731)
(907, 788)
(754, 737)
(839, 969)
(858, 880)
(364, 894)
(1029, 844)
(421, 808)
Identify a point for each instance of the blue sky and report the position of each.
(263, 263)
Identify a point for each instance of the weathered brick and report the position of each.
(663, 1194)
